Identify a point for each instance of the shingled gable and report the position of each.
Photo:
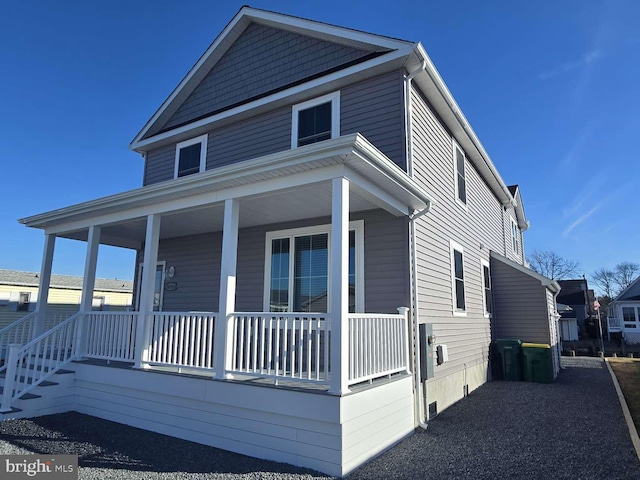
(265, 42)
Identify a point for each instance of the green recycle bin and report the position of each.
(538, 364)
(510, 354)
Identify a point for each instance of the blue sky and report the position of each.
(550, 87)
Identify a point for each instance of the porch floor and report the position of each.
(283, 383)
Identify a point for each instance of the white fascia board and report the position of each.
(623, 292)
(194, 128)
(312, 26)
(467, 137)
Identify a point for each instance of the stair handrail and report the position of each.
(15, 332)
(21, 377)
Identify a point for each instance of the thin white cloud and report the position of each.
(584, 61)
(582, 219)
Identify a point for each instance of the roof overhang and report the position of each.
(376, 182)
(546, 282)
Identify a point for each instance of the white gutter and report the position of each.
(417, 397)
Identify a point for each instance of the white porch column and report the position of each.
(147, 290)
(88, 284)
(339, 284)
(45, 281)
(223, 345)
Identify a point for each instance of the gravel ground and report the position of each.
(571, 429)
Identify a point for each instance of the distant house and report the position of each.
(624, 313)
(19, 295)
(325, 252)
(575, 294)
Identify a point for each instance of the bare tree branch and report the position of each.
(552, 265)
(625, 273)
(605, 279)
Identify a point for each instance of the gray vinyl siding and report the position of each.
(519, 305)
(160, 164)
(262, 59)
(632, 292)
(197, 265)
(478, 229)
(373, 107)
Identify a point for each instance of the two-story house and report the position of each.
(324, 252)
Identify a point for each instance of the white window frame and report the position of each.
(455, 175)
(636, 312)
(334, 98)
(453, 246)
(202, 139)
(357, 226)
(139, 285)
(27, 303)
(484, 263)
(514, 235)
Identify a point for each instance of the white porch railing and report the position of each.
(614, 324)
(281, 345)
(182, 339)
(110, 335)
(378, 346)
(20, 331)
(29, 365)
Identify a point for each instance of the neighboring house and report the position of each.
(624, 313)
(19, 294)
(304, 184)
(575, 294)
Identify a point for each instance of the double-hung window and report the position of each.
(458, 279)
(631, 317)
(486, 288)
(297, 276)
(24, 299)
(461, 175)
(514, 235)
(191, 157)
(316, 120)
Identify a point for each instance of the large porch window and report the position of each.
(297, 276)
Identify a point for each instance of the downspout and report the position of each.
(417, 397)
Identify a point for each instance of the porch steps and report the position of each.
(55, 395)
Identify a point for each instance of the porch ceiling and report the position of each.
(286, 186)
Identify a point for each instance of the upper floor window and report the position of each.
(486, 287)
(514, 235)
(316, 120)
(461, 176)
(191, 156)
(457, 279)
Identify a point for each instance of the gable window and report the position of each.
(457, 279)
(191, 157)
(486, 287)
(23, 302)
(316, 120)
(514, 235)
(461, 178)
(297, 269)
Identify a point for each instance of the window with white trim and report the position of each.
(514, 235)
(486, 288)
(457, 279)
(191, 157)
(316, 120)
(297, 276)
(631, 317)
(24, 299)
(461, 175)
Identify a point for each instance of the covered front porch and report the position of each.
(300, 226)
